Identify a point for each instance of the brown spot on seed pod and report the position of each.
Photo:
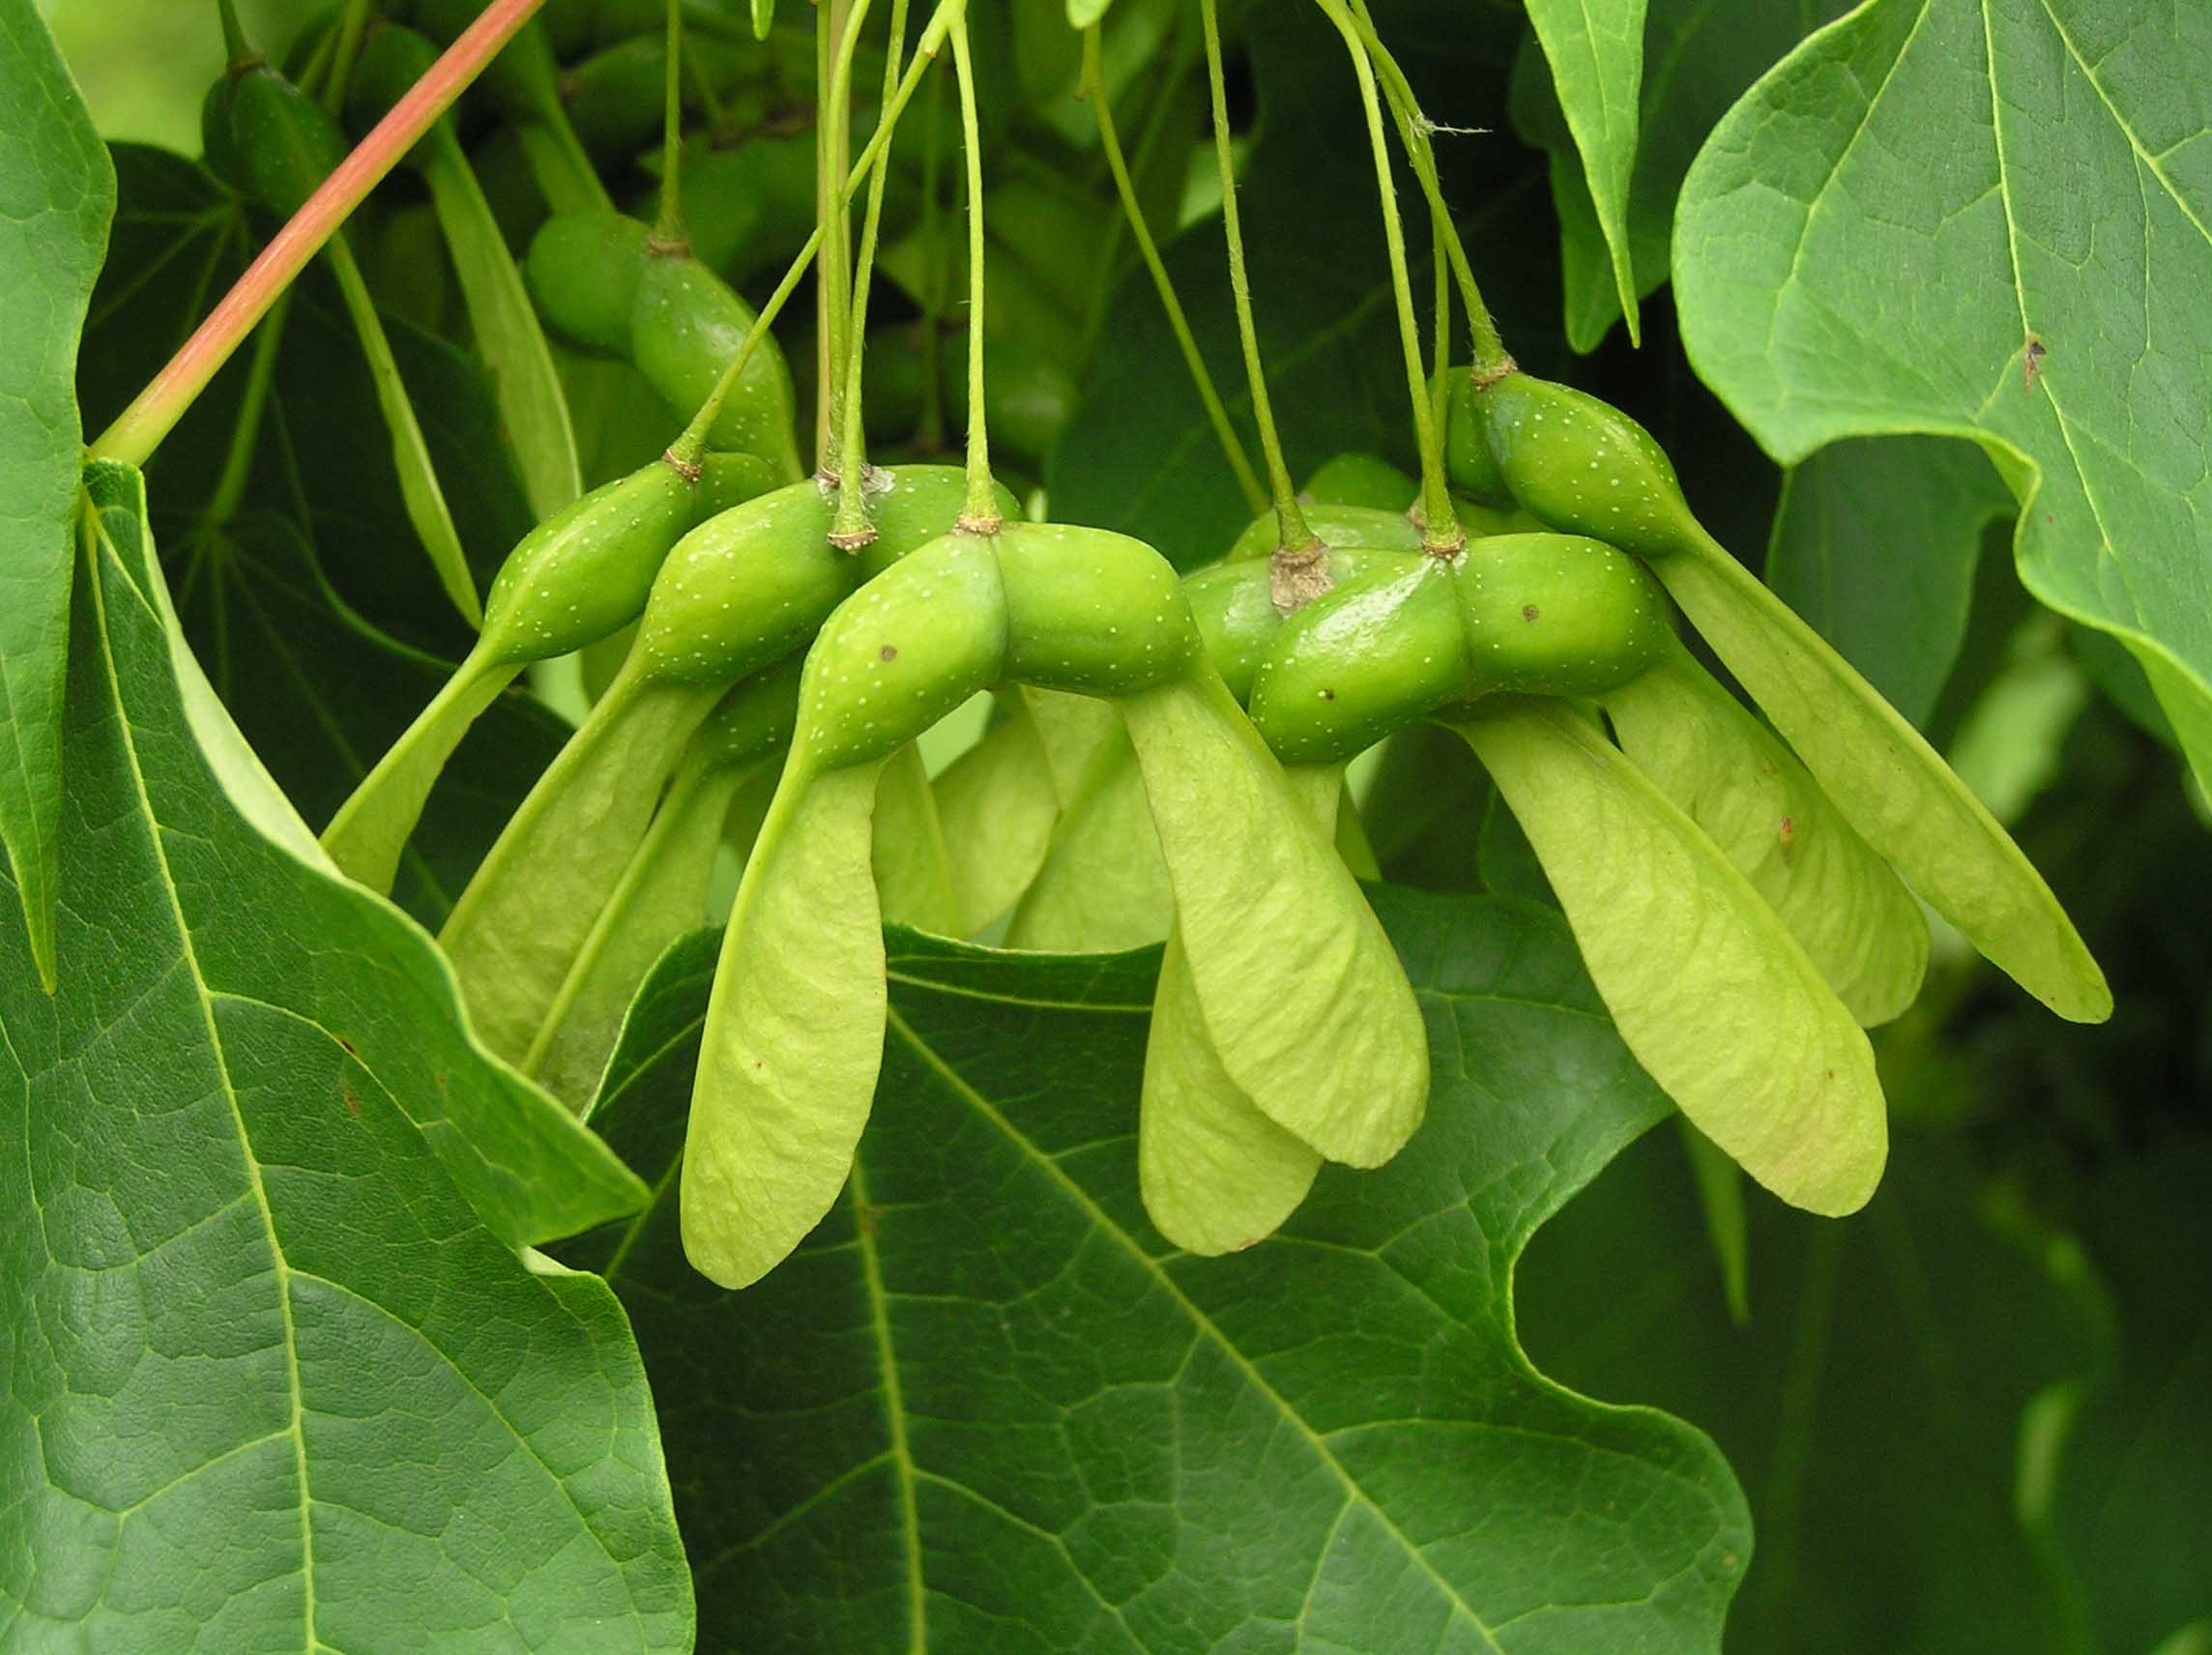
(1529, 612)
(889, 651)
(1328, 695)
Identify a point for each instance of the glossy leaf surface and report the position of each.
(986, 1407)
(1988, 221)
(272, 1360)
(57, 189)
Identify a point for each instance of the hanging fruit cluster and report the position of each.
(1166, 764)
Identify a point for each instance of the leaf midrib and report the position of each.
(900, 1452)
(295, 1425)
(1356, 1495)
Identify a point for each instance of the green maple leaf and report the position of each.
(57, 192)
(987, 1407)
(277, 1377)
(1989, 220)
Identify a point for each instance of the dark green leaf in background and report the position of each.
(986, 1407)
(321, 632)
(1698, 56)
(1872, 1406)
(57, 192)
(272, 1382)
(2130, 1508)
(1595, 51)
(1875, 544)
(1991, 220)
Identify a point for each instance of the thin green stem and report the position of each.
(930, 434)
(847, 18)
(982, 513)
(1492, 361)
(420, 490)
(1440, 531)
(851, 526)
(138, 430)
(827, 14)
(235, 52)
(1291, 531)
(1093, 88)
(1440, 360)
(246, 434)
(353, 22)
(668, 224)
(689, 447)
(845, 339)
(1161, 83)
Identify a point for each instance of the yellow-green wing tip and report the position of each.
(718, 1242)
(2082, 996)
(1394, 1109)
(1832, 1180)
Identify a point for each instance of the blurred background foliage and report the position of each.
(1979, 1417)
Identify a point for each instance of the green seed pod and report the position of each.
(909, 647)
(1582, 466)
(268, 140)
(1587, 468)
(739, 592)
(1028, 393)
(750, 205)
(743, 589)
(686, 325)
(585, 571)
(749, 585)
(909, 506)
(579, 575)
(1370, 657)
(1468, 463)
(583, 271)
(1360, 480)
(1338, 525)
(1090, 611)
(731, 480)
(1233, 606)
(1237, 619)
(615, 96)
(1483, 521)
(1557, 614)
